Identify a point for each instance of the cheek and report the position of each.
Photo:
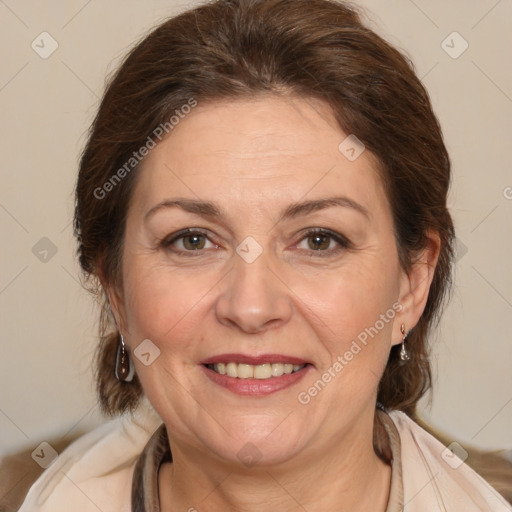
(163, 304)
(358, 305)
(353, 319)
(355, 295)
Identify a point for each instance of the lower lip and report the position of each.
(256, 387)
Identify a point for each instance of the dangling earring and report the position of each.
(124, 369)
(404, 356)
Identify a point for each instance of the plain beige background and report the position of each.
(48, 322)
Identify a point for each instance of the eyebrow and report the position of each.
(208, 209)
(202, 208)
(307, 207)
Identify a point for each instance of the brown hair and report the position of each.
(235, 48)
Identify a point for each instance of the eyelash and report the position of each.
(343, 242)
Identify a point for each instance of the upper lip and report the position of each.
(254, 360)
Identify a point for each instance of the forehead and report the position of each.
(268, 148)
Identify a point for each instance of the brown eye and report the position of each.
(188, 241)
(323, 242)
(194, 242)
(319, 242)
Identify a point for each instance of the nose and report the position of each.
(254, 299)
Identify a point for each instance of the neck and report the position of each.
(345, 476)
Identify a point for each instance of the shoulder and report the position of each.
(432, 474)
(95, 472)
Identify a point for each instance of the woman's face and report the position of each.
(256, 246)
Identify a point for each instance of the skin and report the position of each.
(254, 158)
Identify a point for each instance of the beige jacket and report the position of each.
(97, 471)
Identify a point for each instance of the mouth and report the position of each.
(259, 371)
(255, 376)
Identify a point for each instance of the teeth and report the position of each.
(231, 369)
(277, 369)
(245, 371)
(260, 371)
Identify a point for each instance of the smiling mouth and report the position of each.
(258, 371)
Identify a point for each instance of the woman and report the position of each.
(262, 200)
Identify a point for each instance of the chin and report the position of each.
(259, 442)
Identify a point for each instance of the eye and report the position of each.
(189, 241)
(320, 240)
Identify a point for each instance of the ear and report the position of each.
(115, 297)
(415, 285)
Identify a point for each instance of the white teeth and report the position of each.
(277, 369)
(232, 369)
(245, 371)
(260, 371)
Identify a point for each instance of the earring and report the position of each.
(404, 356)
(124, 369)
